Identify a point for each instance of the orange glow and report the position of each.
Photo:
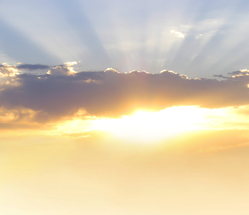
(153, 126)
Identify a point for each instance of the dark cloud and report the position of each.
(32, 66)
(60, 94)
(9, 70)
(239, 72)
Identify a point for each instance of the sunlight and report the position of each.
(146, 126)
(151, 127)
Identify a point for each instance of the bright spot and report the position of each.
(71, 63)
(178, 33)
(153, 126)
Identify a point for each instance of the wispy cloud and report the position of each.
(32, 66)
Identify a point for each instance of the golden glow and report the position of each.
(153, 126)
(76, 126)
(71, 63)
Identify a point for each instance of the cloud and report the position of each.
(178, 33)
(12, 70)
(61, 93)
(241, 72)
(18, 118)
(65, 69)
(7, 70)
(32, 66)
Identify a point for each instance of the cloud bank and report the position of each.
(62, 92)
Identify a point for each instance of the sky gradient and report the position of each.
(117, 107)
(195, 38)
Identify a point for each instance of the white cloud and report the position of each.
(177, 33)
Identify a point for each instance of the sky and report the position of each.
(206, 37)
(124, 107)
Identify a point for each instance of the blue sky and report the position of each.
(196, 38)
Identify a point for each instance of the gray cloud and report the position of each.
(32, 66)
(239, 72)
(10, 70)
(60, 94)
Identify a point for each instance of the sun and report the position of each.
(153, 127)
(144, 126)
